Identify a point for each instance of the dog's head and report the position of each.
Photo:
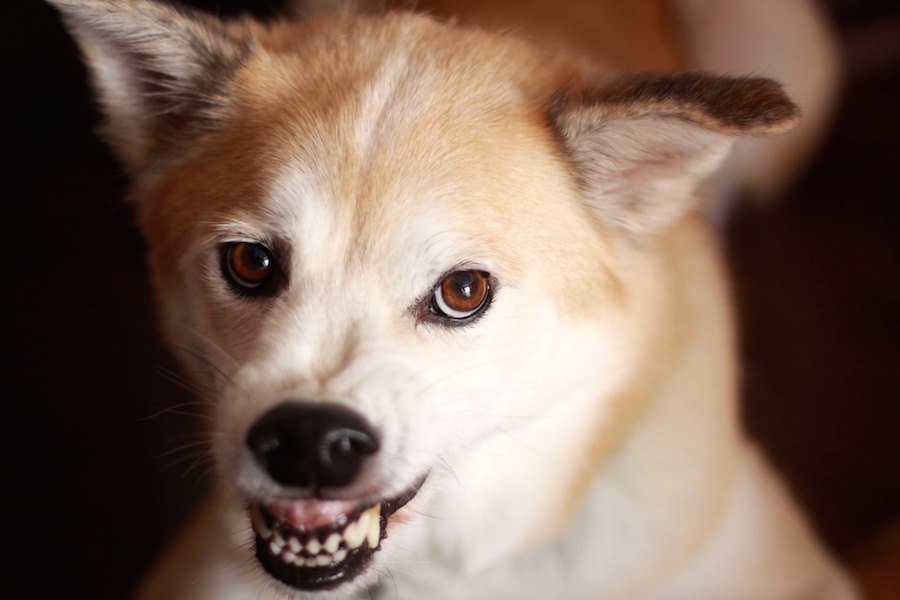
(381, 243)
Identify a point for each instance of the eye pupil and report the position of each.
(462, 295)
(462, 290)
(248, 266)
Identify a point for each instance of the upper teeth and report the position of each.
(367, 527)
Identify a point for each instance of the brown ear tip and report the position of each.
(735, 106)
(738, 106)
(770, 110)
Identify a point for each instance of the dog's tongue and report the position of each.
(305, 515)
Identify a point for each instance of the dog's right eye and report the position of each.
(249, 268)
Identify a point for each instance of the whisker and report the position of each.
(192, 386)
(215, 346)
(201, 462)
(184, 447)
(205, 360)
(176, 410)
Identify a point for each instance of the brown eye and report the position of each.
(462, 294)
(248, 267)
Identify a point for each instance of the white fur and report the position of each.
(580, 440)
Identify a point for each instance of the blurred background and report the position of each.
(97, 474)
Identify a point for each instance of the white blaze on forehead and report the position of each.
(302, 212)
(376, 97)
(408, 241)
(324, 230)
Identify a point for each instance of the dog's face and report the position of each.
(385, 249)
(379, 244)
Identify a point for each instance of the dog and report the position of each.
(459, 314)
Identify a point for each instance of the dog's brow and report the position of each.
(376, 98)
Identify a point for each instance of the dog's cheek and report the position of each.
(213, 335)
(549, 365)
(490, 377)
(210, 330)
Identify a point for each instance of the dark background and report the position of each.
(96, 478)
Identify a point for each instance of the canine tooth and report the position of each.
(340, 555)
(374, 533)
(332, 543)
(274, 548)
(288, 556)
(323, 559)
(259, 524)
(295, 545)
(313, 547)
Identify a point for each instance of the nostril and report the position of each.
(312, 445)
(341, 445)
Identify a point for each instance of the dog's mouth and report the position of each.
(321, 544)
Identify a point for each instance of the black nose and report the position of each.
(312, 445)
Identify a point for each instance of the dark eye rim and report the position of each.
(429, 312)
(267, 287)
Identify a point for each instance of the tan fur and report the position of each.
(264, 101)
(580, 438)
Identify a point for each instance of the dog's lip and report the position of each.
(314, 544)
(306, 515)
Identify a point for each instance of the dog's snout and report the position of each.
(312, 445)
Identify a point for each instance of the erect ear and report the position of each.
(159, 71)
(642, 146)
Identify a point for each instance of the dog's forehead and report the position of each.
(377, 138)
(379, 132)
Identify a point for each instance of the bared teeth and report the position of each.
(313, 546)
(259, 524)
(295, 545)
(323, 560)
(278, 539)
(356, 532)
(315, 553)
(373, 536)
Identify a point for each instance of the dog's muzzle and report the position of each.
(315, 451)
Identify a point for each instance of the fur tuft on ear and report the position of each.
(642, 145)
(159, 71)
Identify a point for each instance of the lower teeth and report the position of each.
(366, 528)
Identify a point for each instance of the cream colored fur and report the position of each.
(581, 439)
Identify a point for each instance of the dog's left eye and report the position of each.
(248, 267)
(462, 295)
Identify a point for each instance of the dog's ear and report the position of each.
(158, 70)
(641, 146)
